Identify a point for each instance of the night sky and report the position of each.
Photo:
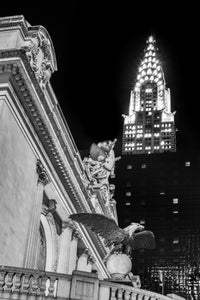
(99, 45)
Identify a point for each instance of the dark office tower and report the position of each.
(149, 127)
(160, 188)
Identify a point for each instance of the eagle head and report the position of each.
(133, 227)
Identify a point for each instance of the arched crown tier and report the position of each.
(150, 68)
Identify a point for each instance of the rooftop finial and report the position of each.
(150, 40)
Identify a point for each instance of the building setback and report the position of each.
(159, 186)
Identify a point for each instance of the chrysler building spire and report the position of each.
(149, 126)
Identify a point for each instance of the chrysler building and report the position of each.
(149, 126)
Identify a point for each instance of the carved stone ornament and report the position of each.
(99, 166)
(39, 54)
(51, 208)
(68, 224)
(42, 174)
(96, 204)
(76, 234)
(101, 163)
(91, 260)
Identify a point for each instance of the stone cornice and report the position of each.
(12, 68)
(14, 22)
(31, 108)
(19, 22)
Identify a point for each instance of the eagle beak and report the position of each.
(141, 227)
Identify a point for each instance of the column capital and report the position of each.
(91, 259)
(89, 255)
(67, 224)
(86, 252)
(50, 208)
(42, 173)
(75, 234)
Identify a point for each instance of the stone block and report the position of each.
(84, 286)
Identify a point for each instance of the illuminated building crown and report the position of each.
(150, 115)
(150, 68)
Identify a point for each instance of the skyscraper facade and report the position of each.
(158, 185)
(149, 126)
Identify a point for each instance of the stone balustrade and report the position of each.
(115, 291)
(29, 284)
(20, 283)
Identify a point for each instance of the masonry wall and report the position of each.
(18, 180)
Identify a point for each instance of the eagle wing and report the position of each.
(102, 225)
(96, 151)
(142, 240)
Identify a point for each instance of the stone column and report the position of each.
(73, 251)
(32, 243)
(65, 247)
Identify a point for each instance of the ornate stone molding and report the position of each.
(89, 255)
(51, 208)
(42, 174)
(76, 235)
(15, 76)
(38, 52)
(36, 42)
(91, 260)
(67, 224)
(30, 106)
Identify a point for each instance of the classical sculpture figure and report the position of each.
(100, 164)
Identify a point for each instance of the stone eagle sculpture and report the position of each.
(121, 240)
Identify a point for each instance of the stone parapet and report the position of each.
(19, 283)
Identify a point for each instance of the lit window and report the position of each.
(127, 203)
(162, 193)
(143, 166)
(148, 90)
(175, 241)
(129, 167)
(175, 212)
(187, 163)
(128, 194)
(175, 201)
(142, 221)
